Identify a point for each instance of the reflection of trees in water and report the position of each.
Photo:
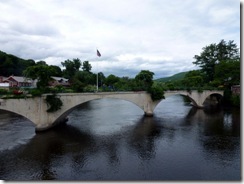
(222, 149)
(218, 131)
(219, 143)
(221, 123)
(142, 138)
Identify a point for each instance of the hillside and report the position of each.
(175, 77)
(13, 65)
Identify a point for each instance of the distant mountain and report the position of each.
(175, 77)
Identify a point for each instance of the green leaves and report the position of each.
(53, 103)
(86, 66)
(213, 55)
(71, 67)
(145, 79)
(156, 91)
(40, 72)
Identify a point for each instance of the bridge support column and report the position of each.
(149, 106)
(148, 114)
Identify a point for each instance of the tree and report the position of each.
(41, 63)
(144, 79)
(214, 54)
(86, 66)
(57, 71)
(193, 78)
(112, 79)
(71, 67)
(85, 77)
(41, 72)
(228, 72)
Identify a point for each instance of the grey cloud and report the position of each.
(37, 29)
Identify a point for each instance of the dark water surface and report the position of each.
(110, 139)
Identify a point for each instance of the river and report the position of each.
(110, 139)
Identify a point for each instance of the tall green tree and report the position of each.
(214, 54)
(57, 71)
(86, 66)
(85, 77)
(228, 73)
(144, 79)
(71, 67)
(40, 72)
(112, 79)
(82, 79)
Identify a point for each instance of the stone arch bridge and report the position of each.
(35, 109)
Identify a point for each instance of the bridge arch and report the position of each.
(26, 108)
(18, 114)
(182, 93)
(69, 110)
(197, 98)
(213, 99)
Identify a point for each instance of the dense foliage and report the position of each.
(40, 72)
(215, 55)
(71, 67)
(53, 102)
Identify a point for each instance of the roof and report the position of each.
(18, 79)
(60, 78)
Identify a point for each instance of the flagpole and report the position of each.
(97, 77)
(99, 55)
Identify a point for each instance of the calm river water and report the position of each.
(110, 139)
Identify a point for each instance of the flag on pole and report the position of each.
(98, 54)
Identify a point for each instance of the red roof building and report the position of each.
(16, 81)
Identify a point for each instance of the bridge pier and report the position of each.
(148, 114)
(48, 126)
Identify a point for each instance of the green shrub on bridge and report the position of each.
(53, 102)
(157, 92)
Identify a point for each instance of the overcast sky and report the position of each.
(132, 35)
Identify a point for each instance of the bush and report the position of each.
(90, 88)
(35, 92)
(53, 103)
(157, 92)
